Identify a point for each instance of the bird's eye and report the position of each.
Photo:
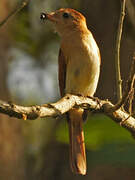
(65, 15)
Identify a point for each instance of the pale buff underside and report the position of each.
(83, 65)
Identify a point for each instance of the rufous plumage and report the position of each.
(79, 69)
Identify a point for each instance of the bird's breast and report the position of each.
(83, 67)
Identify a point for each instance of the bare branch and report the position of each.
(129, 87)
(15, 11)
(117, 53)
(64, 105)
(46, 110)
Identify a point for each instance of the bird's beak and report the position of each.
(50, 17)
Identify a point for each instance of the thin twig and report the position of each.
(117, 53)
(15, 11)
(128, 88)
(131, 95)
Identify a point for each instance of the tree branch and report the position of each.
(129, 86)
(117, 51)
(15, 11)
(64, 105)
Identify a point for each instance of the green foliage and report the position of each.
(106, 142)
(99, 131)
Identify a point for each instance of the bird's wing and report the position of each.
(75, 120)
(62, 72)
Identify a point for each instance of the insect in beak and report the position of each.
(43, 16)
(50, 17)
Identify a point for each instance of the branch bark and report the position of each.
(64, 105)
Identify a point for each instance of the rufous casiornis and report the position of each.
(79, 69)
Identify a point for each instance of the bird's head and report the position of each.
(66, 20)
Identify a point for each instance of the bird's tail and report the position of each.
(77, 145)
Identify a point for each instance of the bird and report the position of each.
(78, 72)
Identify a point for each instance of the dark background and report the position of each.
(28, 75)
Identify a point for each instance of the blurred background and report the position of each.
(37, 150)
